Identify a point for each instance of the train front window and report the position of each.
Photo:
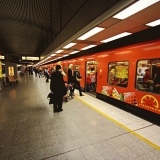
(118, 73)
(148, 75)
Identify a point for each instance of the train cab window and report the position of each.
(148, 75)
(118, 73)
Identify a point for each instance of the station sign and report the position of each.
(1, 57)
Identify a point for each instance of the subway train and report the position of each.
(129, 74)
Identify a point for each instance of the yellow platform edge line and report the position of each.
(121, 125)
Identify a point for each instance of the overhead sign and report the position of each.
(1, 57)
(30, 58)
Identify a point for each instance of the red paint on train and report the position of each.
(126, 63)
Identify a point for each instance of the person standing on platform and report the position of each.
(70, 78)
(57, 86)
(46, 74)
(77, 79)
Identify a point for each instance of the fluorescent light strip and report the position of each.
(91, 33)
(65, 55)
(90, 46)
(59, 51)
(116, 37)
(136, 7)
(74, 52)
(154, 23)
(69, 45)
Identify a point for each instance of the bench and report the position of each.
(12, 79)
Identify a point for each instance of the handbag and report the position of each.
(50, 98)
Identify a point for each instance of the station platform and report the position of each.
(87, 129)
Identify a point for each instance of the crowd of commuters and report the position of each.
(57, 84)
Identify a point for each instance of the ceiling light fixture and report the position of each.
(91, 33)
(154, 23)
(116, 37)
(65, 55)
(59, 51)
(69, 45)
(134, 8)
(74, 52)
(90, 46)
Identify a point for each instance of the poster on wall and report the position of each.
(0, 69)
(11, 70)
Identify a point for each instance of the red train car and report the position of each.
(127, 74)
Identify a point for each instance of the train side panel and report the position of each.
(146, 100)
(130, 55)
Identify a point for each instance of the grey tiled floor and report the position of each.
(30, 130)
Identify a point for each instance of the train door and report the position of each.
(91, 77)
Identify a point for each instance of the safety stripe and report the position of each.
(121, 125)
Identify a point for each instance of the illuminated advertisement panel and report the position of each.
(11, 70)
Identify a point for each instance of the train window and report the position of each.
(118, 73)
(148, 75)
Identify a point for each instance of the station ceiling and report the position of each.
(27, 27)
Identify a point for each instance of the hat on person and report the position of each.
(58, 67)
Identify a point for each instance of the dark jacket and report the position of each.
(57, 85)
(70, 76)
(77, 74)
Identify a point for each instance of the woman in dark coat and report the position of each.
(70, 78)
(57, 86)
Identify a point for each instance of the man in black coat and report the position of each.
(57, 86)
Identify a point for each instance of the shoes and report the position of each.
(81, 95)
(60, 110)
